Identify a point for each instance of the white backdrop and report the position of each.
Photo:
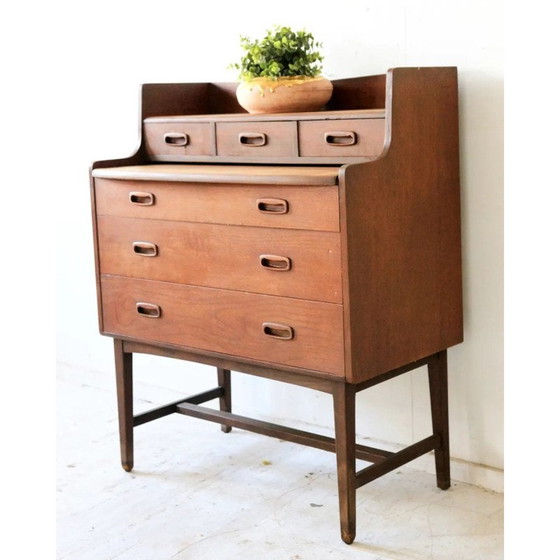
(110, 49)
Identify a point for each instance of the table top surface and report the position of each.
(246, 174)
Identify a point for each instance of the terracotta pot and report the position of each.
(284, 95)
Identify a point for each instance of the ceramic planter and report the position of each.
(284, 95)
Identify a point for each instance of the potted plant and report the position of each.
(281, 73)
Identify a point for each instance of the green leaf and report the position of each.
(281, 52)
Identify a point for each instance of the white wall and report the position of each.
(110, 49)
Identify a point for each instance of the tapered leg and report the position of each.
(123, 370)
(437, 372)
(224, 381)
(344, 397)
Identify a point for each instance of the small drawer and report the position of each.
(340, 138)
(308, 207)
(267, 329)
(257, 139)
(166, 141)
(292, 263)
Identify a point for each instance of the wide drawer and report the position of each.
(294, 263)
(165, 141)
(257, 139)
(341, 138)
(309, 207)
(268, 329)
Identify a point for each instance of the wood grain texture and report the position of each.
(199, 139)
(396, 460)
(369, 138)
(227, 322)
(437, 373)
(247, 117)
(279, 139)
(223, 256)
(211, 100)
(288, 137)
(123, 375)
(363, 92)
(224, 382)
(310, 439)
(401, 221)
(344, 401)
(234, 174)
(170, 408)
(173, 99)
(384, 233)
(310, 379)
(309, 208)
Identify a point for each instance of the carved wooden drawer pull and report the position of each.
(148, 309)
(279, 331)
(255, 139)
(272, 206)
(145, 248)
(176, 138)
(142, 198)
(275, 262)
(341, 138)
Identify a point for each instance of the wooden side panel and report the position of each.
(314, 208)
(366, 92)
(96, 249)
(173, 99)
(401, 222)
(292, 263)
(222, 98)
(226, 321)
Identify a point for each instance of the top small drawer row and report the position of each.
(330, 140)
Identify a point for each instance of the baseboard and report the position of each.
(483, 476)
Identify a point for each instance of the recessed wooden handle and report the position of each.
(142, 198)
(279, 331)
(145, 248)
(254, 139)
(345, 138)
(150, 310)
(275, 262)
(272, 206)
(176, 138)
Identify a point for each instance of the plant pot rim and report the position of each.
(283, 78)
(273, 83)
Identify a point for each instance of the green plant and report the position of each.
(282, 52)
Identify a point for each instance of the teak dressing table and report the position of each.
(320, 249)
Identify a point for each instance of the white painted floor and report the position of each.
(197, 493)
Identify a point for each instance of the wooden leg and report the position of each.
(344, 397)
(123, 370)
(224, 381)
(437, 372)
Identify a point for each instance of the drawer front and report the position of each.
(167, 140)
(341, 138)
(269, 329)
(313, 208)
(294, 263)
(257, 139)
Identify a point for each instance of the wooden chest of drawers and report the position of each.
(320, 137)
(246, 270)
(316, 249)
